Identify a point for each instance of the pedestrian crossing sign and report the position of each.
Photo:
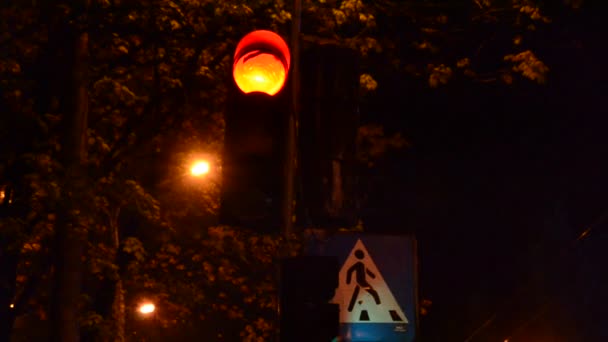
(362, 293)
(377, 285)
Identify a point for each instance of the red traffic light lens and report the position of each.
(261, 63)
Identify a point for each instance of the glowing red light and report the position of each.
(261, 63)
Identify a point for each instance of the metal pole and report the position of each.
(291, 150)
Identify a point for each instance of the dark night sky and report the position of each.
(498, 182)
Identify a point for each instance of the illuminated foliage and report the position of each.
(529, 66)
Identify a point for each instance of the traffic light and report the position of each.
(256, 128)
(308, 283)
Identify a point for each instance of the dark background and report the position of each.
(498, 184)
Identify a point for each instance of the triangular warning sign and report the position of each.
(363, 295)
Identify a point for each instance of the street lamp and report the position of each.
(146, 308)
(200, 168)
(148, 321)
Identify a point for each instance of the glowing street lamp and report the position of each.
(149, 321)
(200, 168)
(146, 308)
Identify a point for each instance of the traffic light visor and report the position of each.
(261, 63)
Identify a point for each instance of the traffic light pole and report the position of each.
(288, 209)
(291, 150)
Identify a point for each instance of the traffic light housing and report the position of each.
(328, 126)
(254, 146)
(308, 283)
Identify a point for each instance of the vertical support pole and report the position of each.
(291, 150)
(70, 234)
(290, 154)
(118, 305)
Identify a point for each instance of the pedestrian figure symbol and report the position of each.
(363, 294)
(360, 272)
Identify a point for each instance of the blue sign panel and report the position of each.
(377, 290)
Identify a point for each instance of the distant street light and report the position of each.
(147, 308)
(148, 321)
(200, 168)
